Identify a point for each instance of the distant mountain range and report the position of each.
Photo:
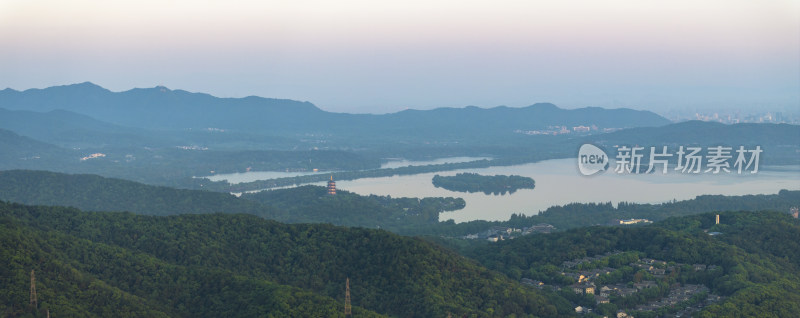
(166, 137)
(700, 132)
(780, 142)
(165, 109)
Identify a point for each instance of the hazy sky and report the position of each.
(383, 56)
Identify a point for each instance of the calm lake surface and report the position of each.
(402, 162)
(250, 176)
(234, 178)
(558, 182)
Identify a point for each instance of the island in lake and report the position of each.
(473, 182)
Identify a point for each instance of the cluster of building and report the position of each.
(562, 130)
(93, 156)
(677, 294)
(587, 259)
(586, 283)
(738, 117)
(193, 147)
(496, 233)
(500, 233)
(542, 228)
(629, 221)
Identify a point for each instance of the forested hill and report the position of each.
(755, 260)
(575, 215)
(311, 204)
(21, 151)
(72, 130)
(102, 264)
(95, 193)
(473, 182)
(694, 131)
(306, 204)
(778, 141)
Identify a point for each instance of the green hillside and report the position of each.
(312, 204)
(92, 264)
(305, 204)
(575, 215)
(473, 182)
(754, 260)
(95, 193)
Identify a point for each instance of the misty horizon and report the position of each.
(363, 57)
(442, 158)
(675, 114)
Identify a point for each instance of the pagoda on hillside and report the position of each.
(332, 187)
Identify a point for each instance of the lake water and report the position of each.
(397, 163)
(558, 182)
(250, 176)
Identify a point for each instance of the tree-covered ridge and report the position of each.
(80, 277)
(240, 265)
(95, 193)
(50, 129)
(757, 275)
(312, 204)
(377, 173)
(588, 214)
(575, 215)
(305, 204)
(473, 182)
(173, 162)
(777, 140)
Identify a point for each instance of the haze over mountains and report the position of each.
(204, 252)
(162, 136)
(165, 109)
(176, 201)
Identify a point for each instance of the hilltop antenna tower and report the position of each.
(347, 309)
(33, 303)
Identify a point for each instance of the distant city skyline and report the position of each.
(379, 57)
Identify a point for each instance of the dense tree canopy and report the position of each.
(240, 265)
(312, 204)
(473, 182)
(756, 256)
